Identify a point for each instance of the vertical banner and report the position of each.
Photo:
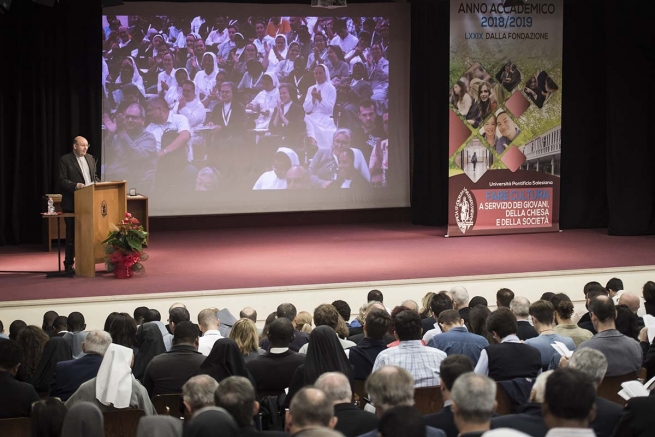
(505, 116)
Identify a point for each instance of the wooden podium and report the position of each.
(98, 209)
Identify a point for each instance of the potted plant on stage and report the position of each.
(124, 248)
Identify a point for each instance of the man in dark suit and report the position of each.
(352, 421)
(591, 290)
(520, 306)
(289, 312)
(569, 404)
(77, 169)
(16, 398)
(167, 373)
(69, 375)
(593, 363)
(451, 368)
(637, 418)
(363, 356)
(273, 370)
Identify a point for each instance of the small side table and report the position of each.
(59, 273)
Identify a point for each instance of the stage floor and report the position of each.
(287, 256)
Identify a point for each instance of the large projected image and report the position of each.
(221, 113)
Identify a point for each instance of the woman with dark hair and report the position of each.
(123, 331)
(337, 66)
(533, 91)
(626, 322)
(33, 340)
(270, 319)
(324, 354)
(108, 320)
(48, 418)
(565, 326)
(284, 68)
(224, 360)
(486, 100)
(488, 130)
(460, 98)
(648, 292)
(241, 61)
(478, 322)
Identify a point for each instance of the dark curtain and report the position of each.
(50, 94)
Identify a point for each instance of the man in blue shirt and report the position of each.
(455, 338)
(542, 313)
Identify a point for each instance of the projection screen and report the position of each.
(209, 109)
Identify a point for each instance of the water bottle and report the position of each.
(51, 206)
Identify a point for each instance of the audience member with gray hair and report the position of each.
(70, 375)
(520, 306)
(351, 420)
(309, 409)
(410, 304)
(461, 300)
(593, 363)
(198, 393)
(474, 402)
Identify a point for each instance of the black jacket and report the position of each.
(16, 397)
(69, 375)
(70, 174)
(637, 418)
(352, 421)
(443, 420)
(525, 330)
(529, 421)
(273, 372)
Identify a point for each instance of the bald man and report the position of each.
(77, 169)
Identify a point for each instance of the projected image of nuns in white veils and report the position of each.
(275, 179)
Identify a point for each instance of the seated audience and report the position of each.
(273, 370)
(227, 321)
(167, 373)
(198, 393)
(451, 368)
(455, 338)
(460, 297)
(303, 320)
(440, 302)
(569, 403)
(212, 421)
(388, 337)
(325, 354)
(288, 311)
(159, 426)
(474, 402)
(362, 357)
(115, 387)
(510, 358)
(48, 322)
(16, 398)
(478, 322)
(48, 418)
(151, 344)
(520, 306)
(244, 333)
(327, 315)
(591, 290)
(309, 409)
(420, 361)
(542, 316)
(594, 364)
(76, 334)
(139, 314)
(154, 317)
(123, 331)
(351, 420)
(405, 421)
(390, 387)
(69, 375)
(626, 322)
(565, 326)
(55, 351)
(32, 341)
(84, 419)
(59, 326)
(237, 396)
(624, 355)
(224, 360)
(208, 324)
(637, 418)
(15, 328)
(504, 297)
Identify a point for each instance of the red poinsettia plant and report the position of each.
(124, 245)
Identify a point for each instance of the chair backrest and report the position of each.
(505, 403)
(359, 393)
(122, 423)
(170, 401)
(611, 386)
(428, 400)
(18, 427)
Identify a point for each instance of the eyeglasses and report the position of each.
(132, 117)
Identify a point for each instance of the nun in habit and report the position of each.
(319, 107)
(205, 78)
(129, 74)
(115, 387)
(266, 101)
(275, 179)
(175, 91)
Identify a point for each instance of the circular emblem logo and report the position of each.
(464, 210)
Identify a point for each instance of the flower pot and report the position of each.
(123, 270)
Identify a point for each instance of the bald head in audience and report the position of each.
(207, 320)
(310, 408)
(630, 300)
(336, 387)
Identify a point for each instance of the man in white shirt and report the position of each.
(345, 40)
(262, 38)
(163, 119)
(208, 324)
(218, 34)
(569, 404)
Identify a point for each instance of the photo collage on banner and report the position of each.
(505, 105)
(209, 109)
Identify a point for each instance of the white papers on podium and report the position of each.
(562, 349)
(634, 389)
(330, 4)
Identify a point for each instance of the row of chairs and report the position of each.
(117, 424)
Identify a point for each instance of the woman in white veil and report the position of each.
(276, 179)
(274, 55)
(175, 92)
(205, 78)
(129, 74)
(319, 106)
(266, 101)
